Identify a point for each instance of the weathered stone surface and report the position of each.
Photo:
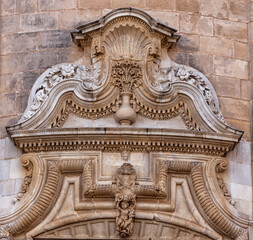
(129, 3)
(95, 4)
(230, 67)
(54, 39)
(241, 153)
(165, 5)
(26, 6)
(11, 151)
(22, 99)
(235, 108)
(39, 21)
(188, 5)
(216, 8)
(32, 61)
(7, 121)
(189, 43)
(7, 188)
(8, 100)
(241, 50)
(250, 31)
(169, 18)
(72, 18)
(231, 30)
(242, 205)
(4, 169)
(179, 57)
(56, 4)
(241, 191)
(250, 10)
(8, 7)
(16, 169)
(2, 146)
(19, 42)
(10, 24)
(70, 54)
(217, 46)
(238, 10)
(232, 88)
(18, 184)
(27, 79)
(193, 23)
(6, 203)
(240, 173)
(250, 50)
(245, 90)
(201, 62)
(10, 83)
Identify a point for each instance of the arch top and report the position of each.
(152, 22)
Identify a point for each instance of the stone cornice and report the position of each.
(118, 139)
(151, 23)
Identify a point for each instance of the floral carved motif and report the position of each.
(89, 76)
(162, 79)
(126, 75)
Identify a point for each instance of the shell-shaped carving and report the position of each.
(127, 42)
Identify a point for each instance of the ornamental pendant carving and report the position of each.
(125, 199)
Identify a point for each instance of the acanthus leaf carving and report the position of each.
(90, 77)
(161, 79)
(221, 167)
(26, 163)
(126, 75)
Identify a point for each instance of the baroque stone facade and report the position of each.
(125, 142)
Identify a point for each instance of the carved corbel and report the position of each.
(155, 48)
(97, 46)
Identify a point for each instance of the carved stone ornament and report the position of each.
(131, 145)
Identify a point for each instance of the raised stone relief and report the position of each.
(122, 104)
(125, 199)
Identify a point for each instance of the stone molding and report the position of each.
(132, 139)
(211, 210)
(130, 75)
(161, 89)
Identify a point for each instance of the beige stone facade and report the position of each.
(215, 45)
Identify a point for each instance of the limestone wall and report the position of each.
(216, 39)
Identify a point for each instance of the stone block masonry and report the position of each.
(217, 39)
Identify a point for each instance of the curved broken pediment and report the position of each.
(131, 131)
(130, 82)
